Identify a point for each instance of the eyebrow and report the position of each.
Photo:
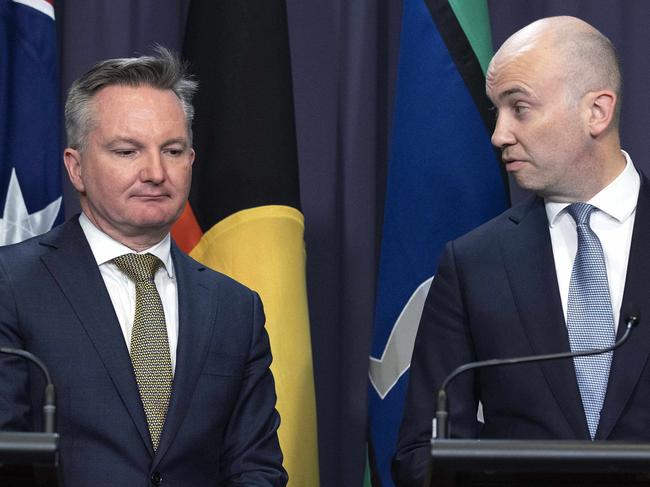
(517, 90)
(182, 141)
(127, 140)
(123, 140)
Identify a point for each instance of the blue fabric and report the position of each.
(30, 129)
(590, 320)
(443, 180)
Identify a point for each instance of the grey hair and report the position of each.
(164, 71)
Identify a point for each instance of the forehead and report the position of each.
(124, 104)
(526, 72)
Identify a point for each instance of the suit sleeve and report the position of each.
(251, 454)
(15, 409)
(443, 342)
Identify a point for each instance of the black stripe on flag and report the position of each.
(244, 129)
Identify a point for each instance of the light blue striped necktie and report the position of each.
(590, 321)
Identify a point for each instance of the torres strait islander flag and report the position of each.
(244, 217)
(30, 131)
(443, 180)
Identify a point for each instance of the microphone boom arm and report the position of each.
(442, 416)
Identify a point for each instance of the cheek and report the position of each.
(181, 178)
(549, 140)
(566, 142)
(108, 187)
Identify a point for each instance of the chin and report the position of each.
(528, 183)
(154, 221)
(154, 213)
(525, 184)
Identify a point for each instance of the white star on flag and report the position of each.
(16, 224)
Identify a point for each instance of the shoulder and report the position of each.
(236, 309)
(187, 267)
(487, 234)
(30, 250)
(643, 204)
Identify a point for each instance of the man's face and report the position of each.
(541, 130)
(134, 173)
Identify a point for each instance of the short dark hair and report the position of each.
(164, 71)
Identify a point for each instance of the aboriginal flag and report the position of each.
(244, 215)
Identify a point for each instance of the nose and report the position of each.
(153, 169)
(503, 135)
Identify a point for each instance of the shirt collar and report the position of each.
(617, 199)
(105, 248)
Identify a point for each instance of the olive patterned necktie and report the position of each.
(149, 343)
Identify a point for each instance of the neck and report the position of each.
(137, 245)
(590, 178)
(612, 165)
(138, 240)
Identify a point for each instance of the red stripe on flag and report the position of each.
(186, 231)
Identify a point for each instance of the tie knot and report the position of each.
(138, 267)
(580, 212)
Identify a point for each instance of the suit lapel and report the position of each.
(528, 257)
(630, 359)
(197, 309)
(75, 270)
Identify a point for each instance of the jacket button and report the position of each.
(156, 478)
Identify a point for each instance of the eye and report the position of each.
(124, 152)
(494, 111)
(174, 151)
(520, 109)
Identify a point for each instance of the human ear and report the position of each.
(72, 162)
(192, 156)
(602, 107)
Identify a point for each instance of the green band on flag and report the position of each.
(474, 19)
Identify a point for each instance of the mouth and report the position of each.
(150, 197)
(513, 164)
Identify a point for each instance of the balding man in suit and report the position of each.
(558, 272)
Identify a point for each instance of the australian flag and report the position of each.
(30, 117)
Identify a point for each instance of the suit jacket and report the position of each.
(221, 424)
(495, 295)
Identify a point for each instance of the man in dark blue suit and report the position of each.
(162, 379)
(516, 285)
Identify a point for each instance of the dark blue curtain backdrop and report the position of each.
(343, 59)
(341, 71)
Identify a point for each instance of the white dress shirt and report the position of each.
(122, 290)
(612, 222)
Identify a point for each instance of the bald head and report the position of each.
(555, 86)
(581, 54)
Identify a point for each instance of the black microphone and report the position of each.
(49, 400)
(441, 426)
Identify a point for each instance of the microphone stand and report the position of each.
(39, 451)
(49, 400)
